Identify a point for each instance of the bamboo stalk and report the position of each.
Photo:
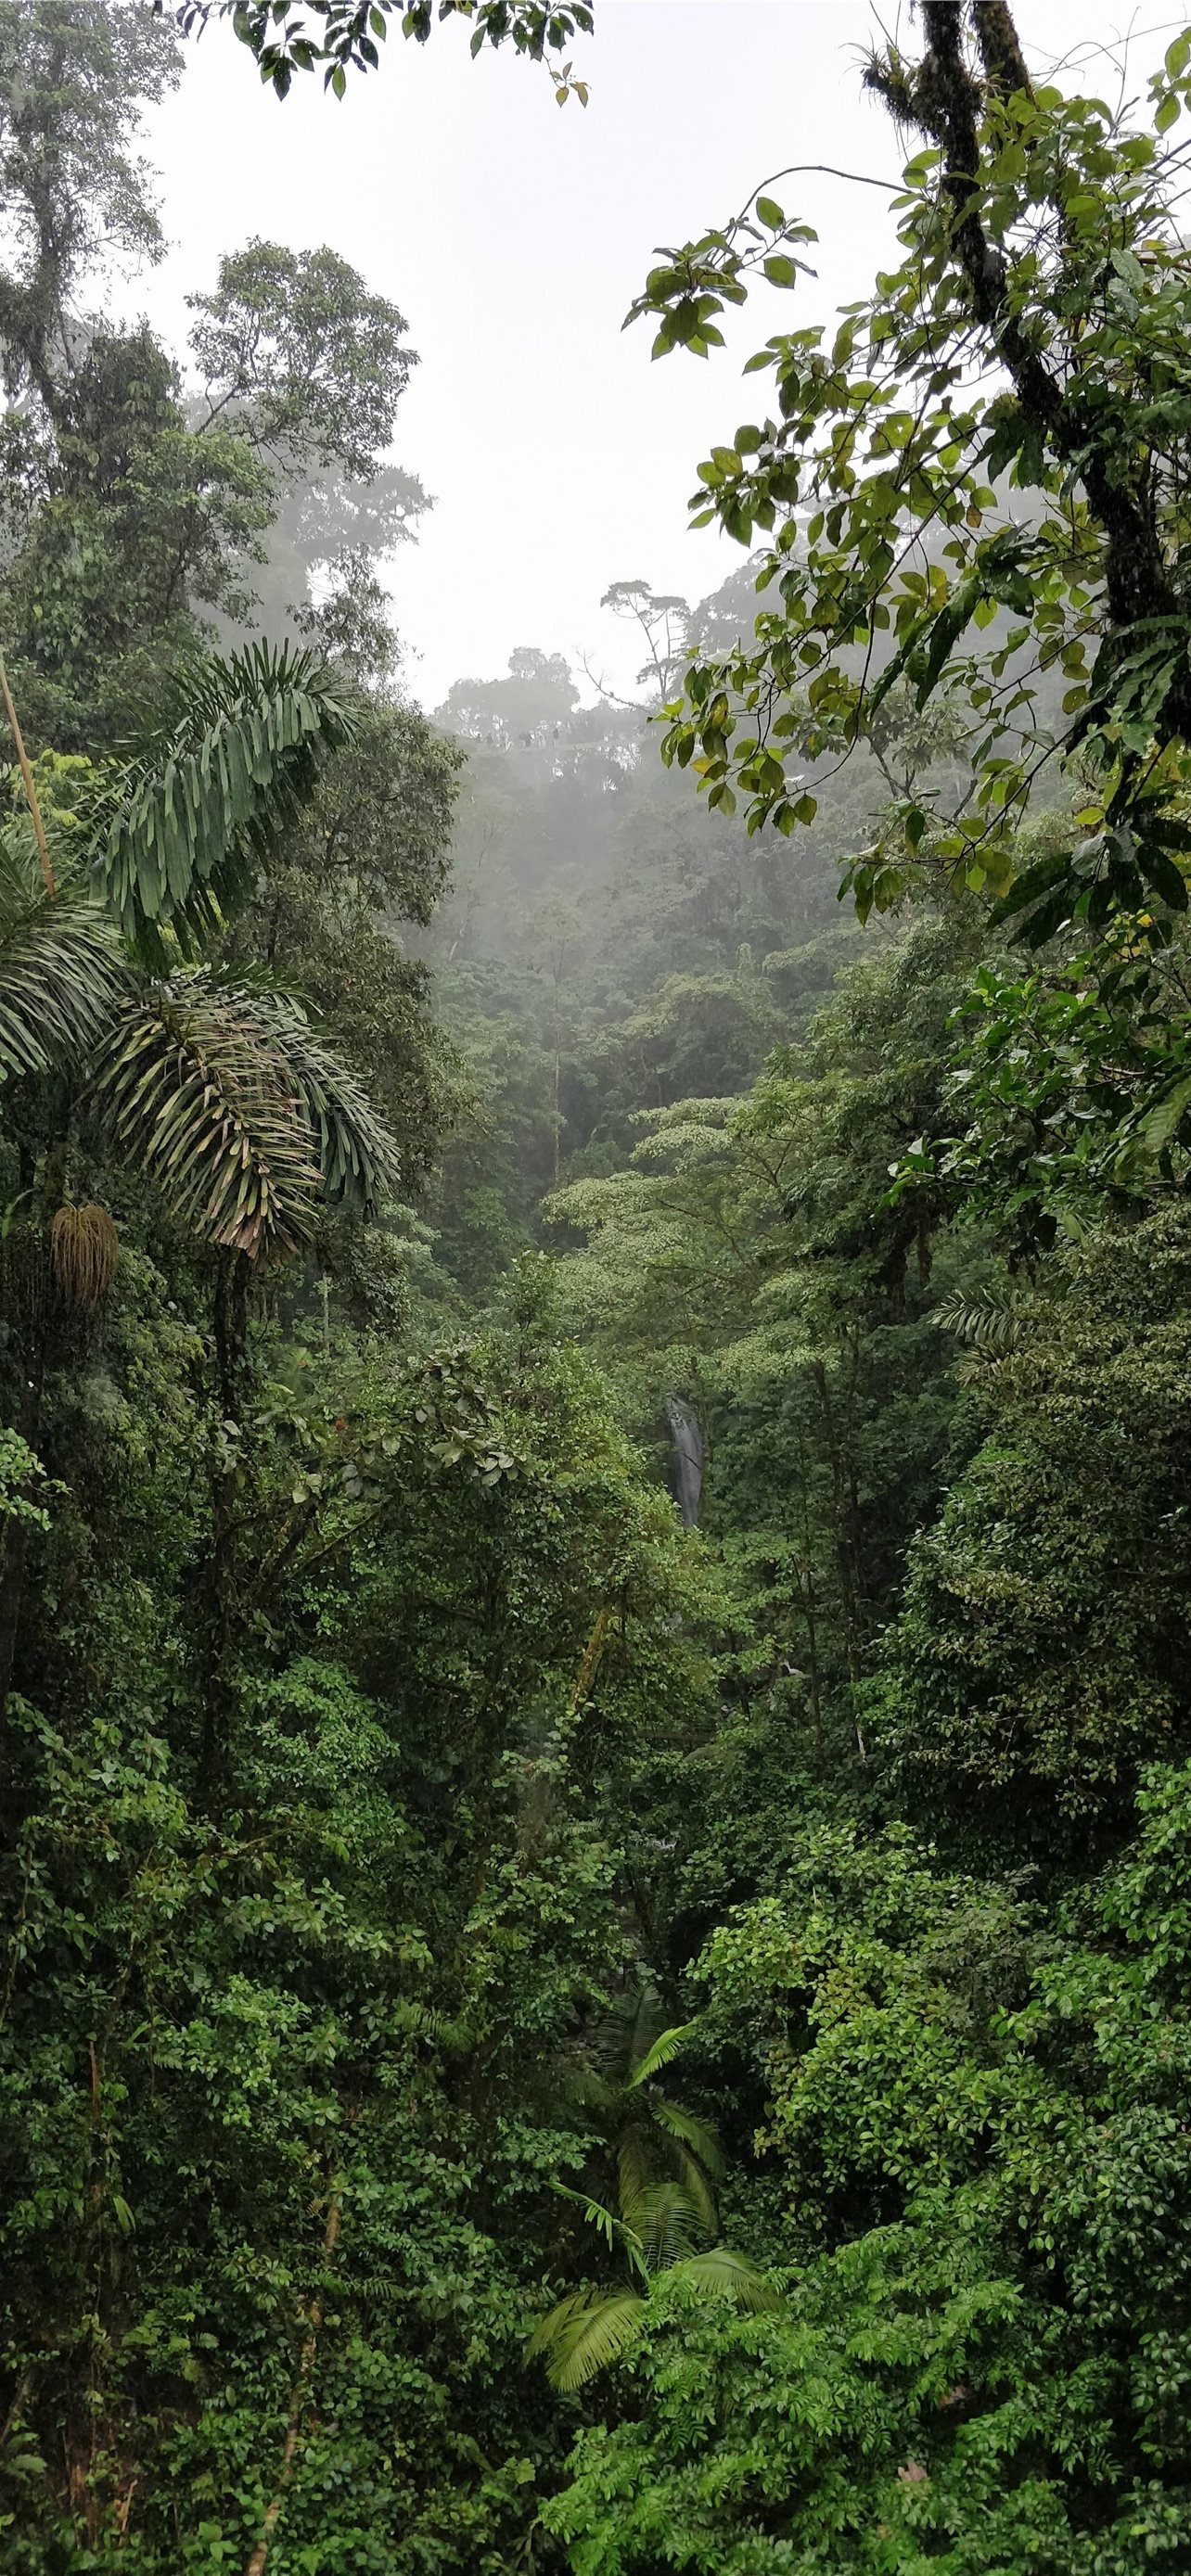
(43, 847)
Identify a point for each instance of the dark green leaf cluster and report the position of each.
(882, 472)
(342, 36)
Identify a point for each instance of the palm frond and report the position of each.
(636, 2166)
(357, 1157)
(609, 2226)
(584, 2333)
(184, 822)
(61, 972)
(665, 2047)
(193, 1090)
(635, 2022)
(590, 2329)
(626, 2030)
(583, 2088)
(988, 1322)
(239, 1112)
(721, 2274)
(671, 2222)
(698, 2190)
(697, 2134)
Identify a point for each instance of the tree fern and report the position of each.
(667, 2219)
(696, 2134)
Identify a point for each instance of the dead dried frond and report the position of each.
(84, 1251)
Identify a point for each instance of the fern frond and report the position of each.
(636, 2170)
(698, 2190)
(609, 2226)
(634, 2023)
(583, 2088)
(375, 2292)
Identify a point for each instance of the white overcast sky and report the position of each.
(513, 235)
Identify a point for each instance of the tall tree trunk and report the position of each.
(229, 1321)
(844, 1537)
(297, 2404)
(12, 1578)
(35, 1338)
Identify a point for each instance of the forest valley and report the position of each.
(540, 2029)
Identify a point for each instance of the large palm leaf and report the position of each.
(697, 2135)
(584, 2333)
(193, 1094)
(665, 2047)
(182, 825)
(226, 1099)
(721, 2274)
(590, 2329)
(356, 1155)
(61, 969)
(669, 2220)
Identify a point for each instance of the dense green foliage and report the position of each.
(536, 2034)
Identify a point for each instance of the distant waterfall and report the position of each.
(686, 1459)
